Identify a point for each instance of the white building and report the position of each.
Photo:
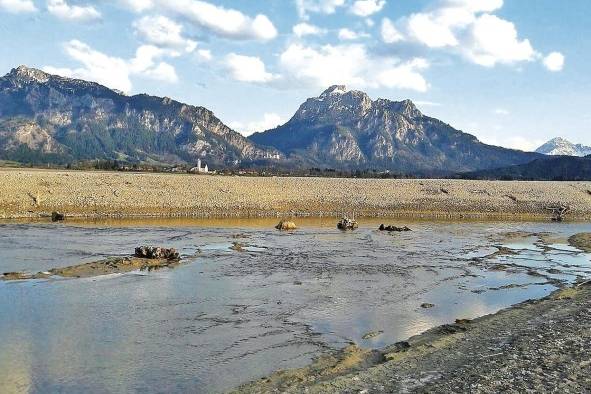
(199, 169)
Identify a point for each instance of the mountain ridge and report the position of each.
(81, 120)
(47, 118)
(561, 146)
(548, 168)
(346, 128)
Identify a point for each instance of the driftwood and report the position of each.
(558, 212)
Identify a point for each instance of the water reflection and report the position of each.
(227, 316)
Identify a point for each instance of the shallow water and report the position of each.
(225, 317)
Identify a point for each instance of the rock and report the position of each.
(286, 225)
(347, 224)
(372, 334)
(56, 216)
(237, 246)
(427, 305)
(393, 228)
(151, 252)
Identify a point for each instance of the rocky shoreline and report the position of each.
(535, 346)
(29, 193)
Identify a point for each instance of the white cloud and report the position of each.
(74, 13)
(305, 7)
(494, 40)
(389, 33)
(468, 28)
(248, 69)
(366, 8)
(554, 61)
(348, 35)
(138, 5)
(204, 55)
(18, 6)
(306, 29)
(224, 22)
(405, 76)
(163, 32)
(269, 121)
(112, 71)
(145, 64)
(350, 64)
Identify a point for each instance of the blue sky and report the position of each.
(512, 72)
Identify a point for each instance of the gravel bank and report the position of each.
(34, 193)
(536, 346)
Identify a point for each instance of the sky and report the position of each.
(512, 72)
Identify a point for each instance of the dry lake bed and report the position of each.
(247, 300)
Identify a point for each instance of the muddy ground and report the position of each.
(536, 346)
(115, 265)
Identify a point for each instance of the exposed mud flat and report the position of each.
(581, 241)
(37, 193)
(247, 302)
(115, 265)
(536, 346)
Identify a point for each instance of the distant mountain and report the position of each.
(560, 146)
(346, 129)
(47, 118)
(552, 168)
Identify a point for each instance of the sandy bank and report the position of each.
(35, 193)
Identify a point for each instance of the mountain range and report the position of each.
(553, 168)
(47, 118)
(51, 119)
(346, 129)
(561, 146)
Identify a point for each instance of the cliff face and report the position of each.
(343, 128)
(52, 118)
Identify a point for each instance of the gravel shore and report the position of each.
(35, 193)
(536, 346)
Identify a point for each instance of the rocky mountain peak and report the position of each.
(32, 74)
(404, 107)
(334, 89)
(562, 146)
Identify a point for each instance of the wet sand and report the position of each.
(535, 346)
(36, 193)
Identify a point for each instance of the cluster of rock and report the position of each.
(393, 228)
(286, 225)
(152, 252)
(347, 224)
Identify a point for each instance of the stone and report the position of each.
(56, 216)
(151, 252)
(393, 228)
(286, 225)
(347, 224)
